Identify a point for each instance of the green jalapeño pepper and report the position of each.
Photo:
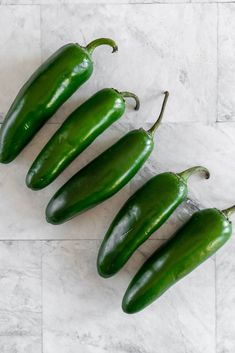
(45, 91)
(104, 176)
(75, 134)
(140, 216)
(200, 237)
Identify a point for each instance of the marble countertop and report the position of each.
(51, 298)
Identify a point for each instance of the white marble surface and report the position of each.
(225, 281)
(82, 311)
(20, 296)
(51, 298)
(164, 50)
(20, 53)
(226, 65)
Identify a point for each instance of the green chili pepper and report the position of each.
(78, 131)
(104, 176)
(45, 91)
(140, 216)
(204, 233)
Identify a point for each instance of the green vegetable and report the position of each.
(140, 216)
(75, 134)
(204, 233)
(45, 91)
(104, 176)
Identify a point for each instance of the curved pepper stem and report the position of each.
(198, 169)
(101, 41)
(229, 211)
(131, 95)
(158, 122)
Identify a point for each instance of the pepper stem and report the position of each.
(229, 211)
(131, 95)
(101, 41)
(198, 169)
(157, 123)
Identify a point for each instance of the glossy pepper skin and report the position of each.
(204, 233)
(104, 176)
(45, 91)
(140, 216)
(75, 134)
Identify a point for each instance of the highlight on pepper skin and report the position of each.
(145, 211)
(78, 131)
(105, 175)
(45, 91)
(199, 238)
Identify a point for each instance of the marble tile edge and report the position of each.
(62, 240)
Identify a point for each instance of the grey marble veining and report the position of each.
(162, 52)
(20, 53)
(27, 217)
(51, 298)
(116, 2)
(225, 269)
(82, 310)
(20, 298)
(188, 145)
(20, 344)
(226, 65)
(179, 146)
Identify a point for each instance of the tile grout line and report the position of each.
(169, 123)
(217, 120)
(69, 239)
(160, 2)
(217, 77)
(215, 304)
(42, 313)
(40, 24)
(42, 248)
